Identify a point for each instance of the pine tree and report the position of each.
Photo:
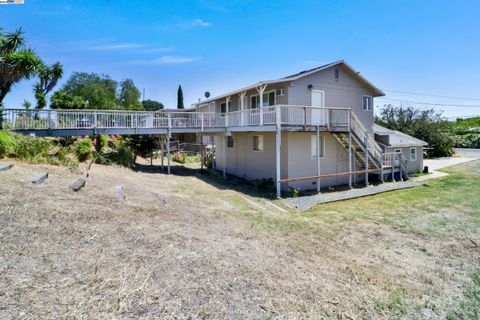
(180, 98)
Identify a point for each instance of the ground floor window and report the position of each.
(413, 154)
(313, 146)
(397, 150)
(258, 143)
(230, 142)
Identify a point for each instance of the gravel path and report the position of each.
(306, 202)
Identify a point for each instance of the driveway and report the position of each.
(440, 163)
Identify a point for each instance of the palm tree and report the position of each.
(48, 78)
(16, 61)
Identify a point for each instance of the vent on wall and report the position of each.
(336, 74)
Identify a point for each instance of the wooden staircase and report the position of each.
(358, 150)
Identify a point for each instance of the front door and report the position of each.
(318, 117)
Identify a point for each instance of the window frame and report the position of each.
(313, 139)
(398, 150)
(416, 154)
(257, 98)
(370, 105)
(232, 139)
(260, 143)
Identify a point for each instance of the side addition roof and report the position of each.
(397, 138)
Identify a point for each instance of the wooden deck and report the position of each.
(92, 122)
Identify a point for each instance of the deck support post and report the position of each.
(366, 159)
(392, 166)
(162, 152)
(168, 152)
(278, 153)
(224, 155)
(242, 116)
(214, 152)
(202, 153)
(350, 150)
(318, 159)
(260, 91)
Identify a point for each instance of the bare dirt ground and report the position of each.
(184, 247)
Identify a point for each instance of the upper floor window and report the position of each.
(279, 92)
(367, 103)
(223, 107)
(268, 100)
(336, 74)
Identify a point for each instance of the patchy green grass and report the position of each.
(469, 308)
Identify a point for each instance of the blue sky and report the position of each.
(428, 47)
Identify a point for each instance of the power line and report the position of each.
(431, 95)
(431, 103)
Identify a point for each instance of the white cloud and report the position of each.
(118, 46)
(167, 60)
(153, 50)
(200, 23)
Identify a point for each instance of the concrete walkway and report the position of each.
(307, 202)
(440, 163)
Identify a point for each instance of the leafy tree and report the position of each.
(48, 78)
(152, 105)
(16, 61)
(427, 125)
(63, 100)
(129, 96)
(180, 98)
(98, 91)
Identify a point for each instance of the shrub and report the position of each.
(32, 149)
(264, 184)
(84, 149)
(294, 192)
(122, 155)
(178, 157)
(7, 144)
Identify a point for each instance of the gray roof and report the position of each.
(397, 138)
(297, 76)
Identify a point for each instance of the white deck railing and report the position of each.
(21, 119)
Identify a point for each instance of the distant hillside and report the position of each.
(466, 132)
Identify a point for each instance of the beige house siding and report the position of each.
(243, 161)
(347, 92)
(301, 163)
(296, 159)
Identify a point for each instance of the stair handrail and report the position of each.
(360, 130)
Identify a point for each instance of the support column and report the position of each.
(168, 152)
(318, 159)
(278, 154)
(242, 98)
(163, 153)
(392, 165)
(350, 158)
(214, 153)
(224, 156)
(366, 159)
(260, 91)
(202, 153)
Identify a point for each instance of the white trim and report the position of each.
(371, 101)
(416, 154)
(322, 145)
(258, 95)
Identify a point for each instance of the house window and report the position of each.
(313, 146)
(397, 150)
(279, 92)
(336, 74)
(230, 142)
(258, 143)
(367, 103)
(268, 100)
(413, 154)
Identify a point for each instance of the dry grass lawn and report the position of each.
(184, 247)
